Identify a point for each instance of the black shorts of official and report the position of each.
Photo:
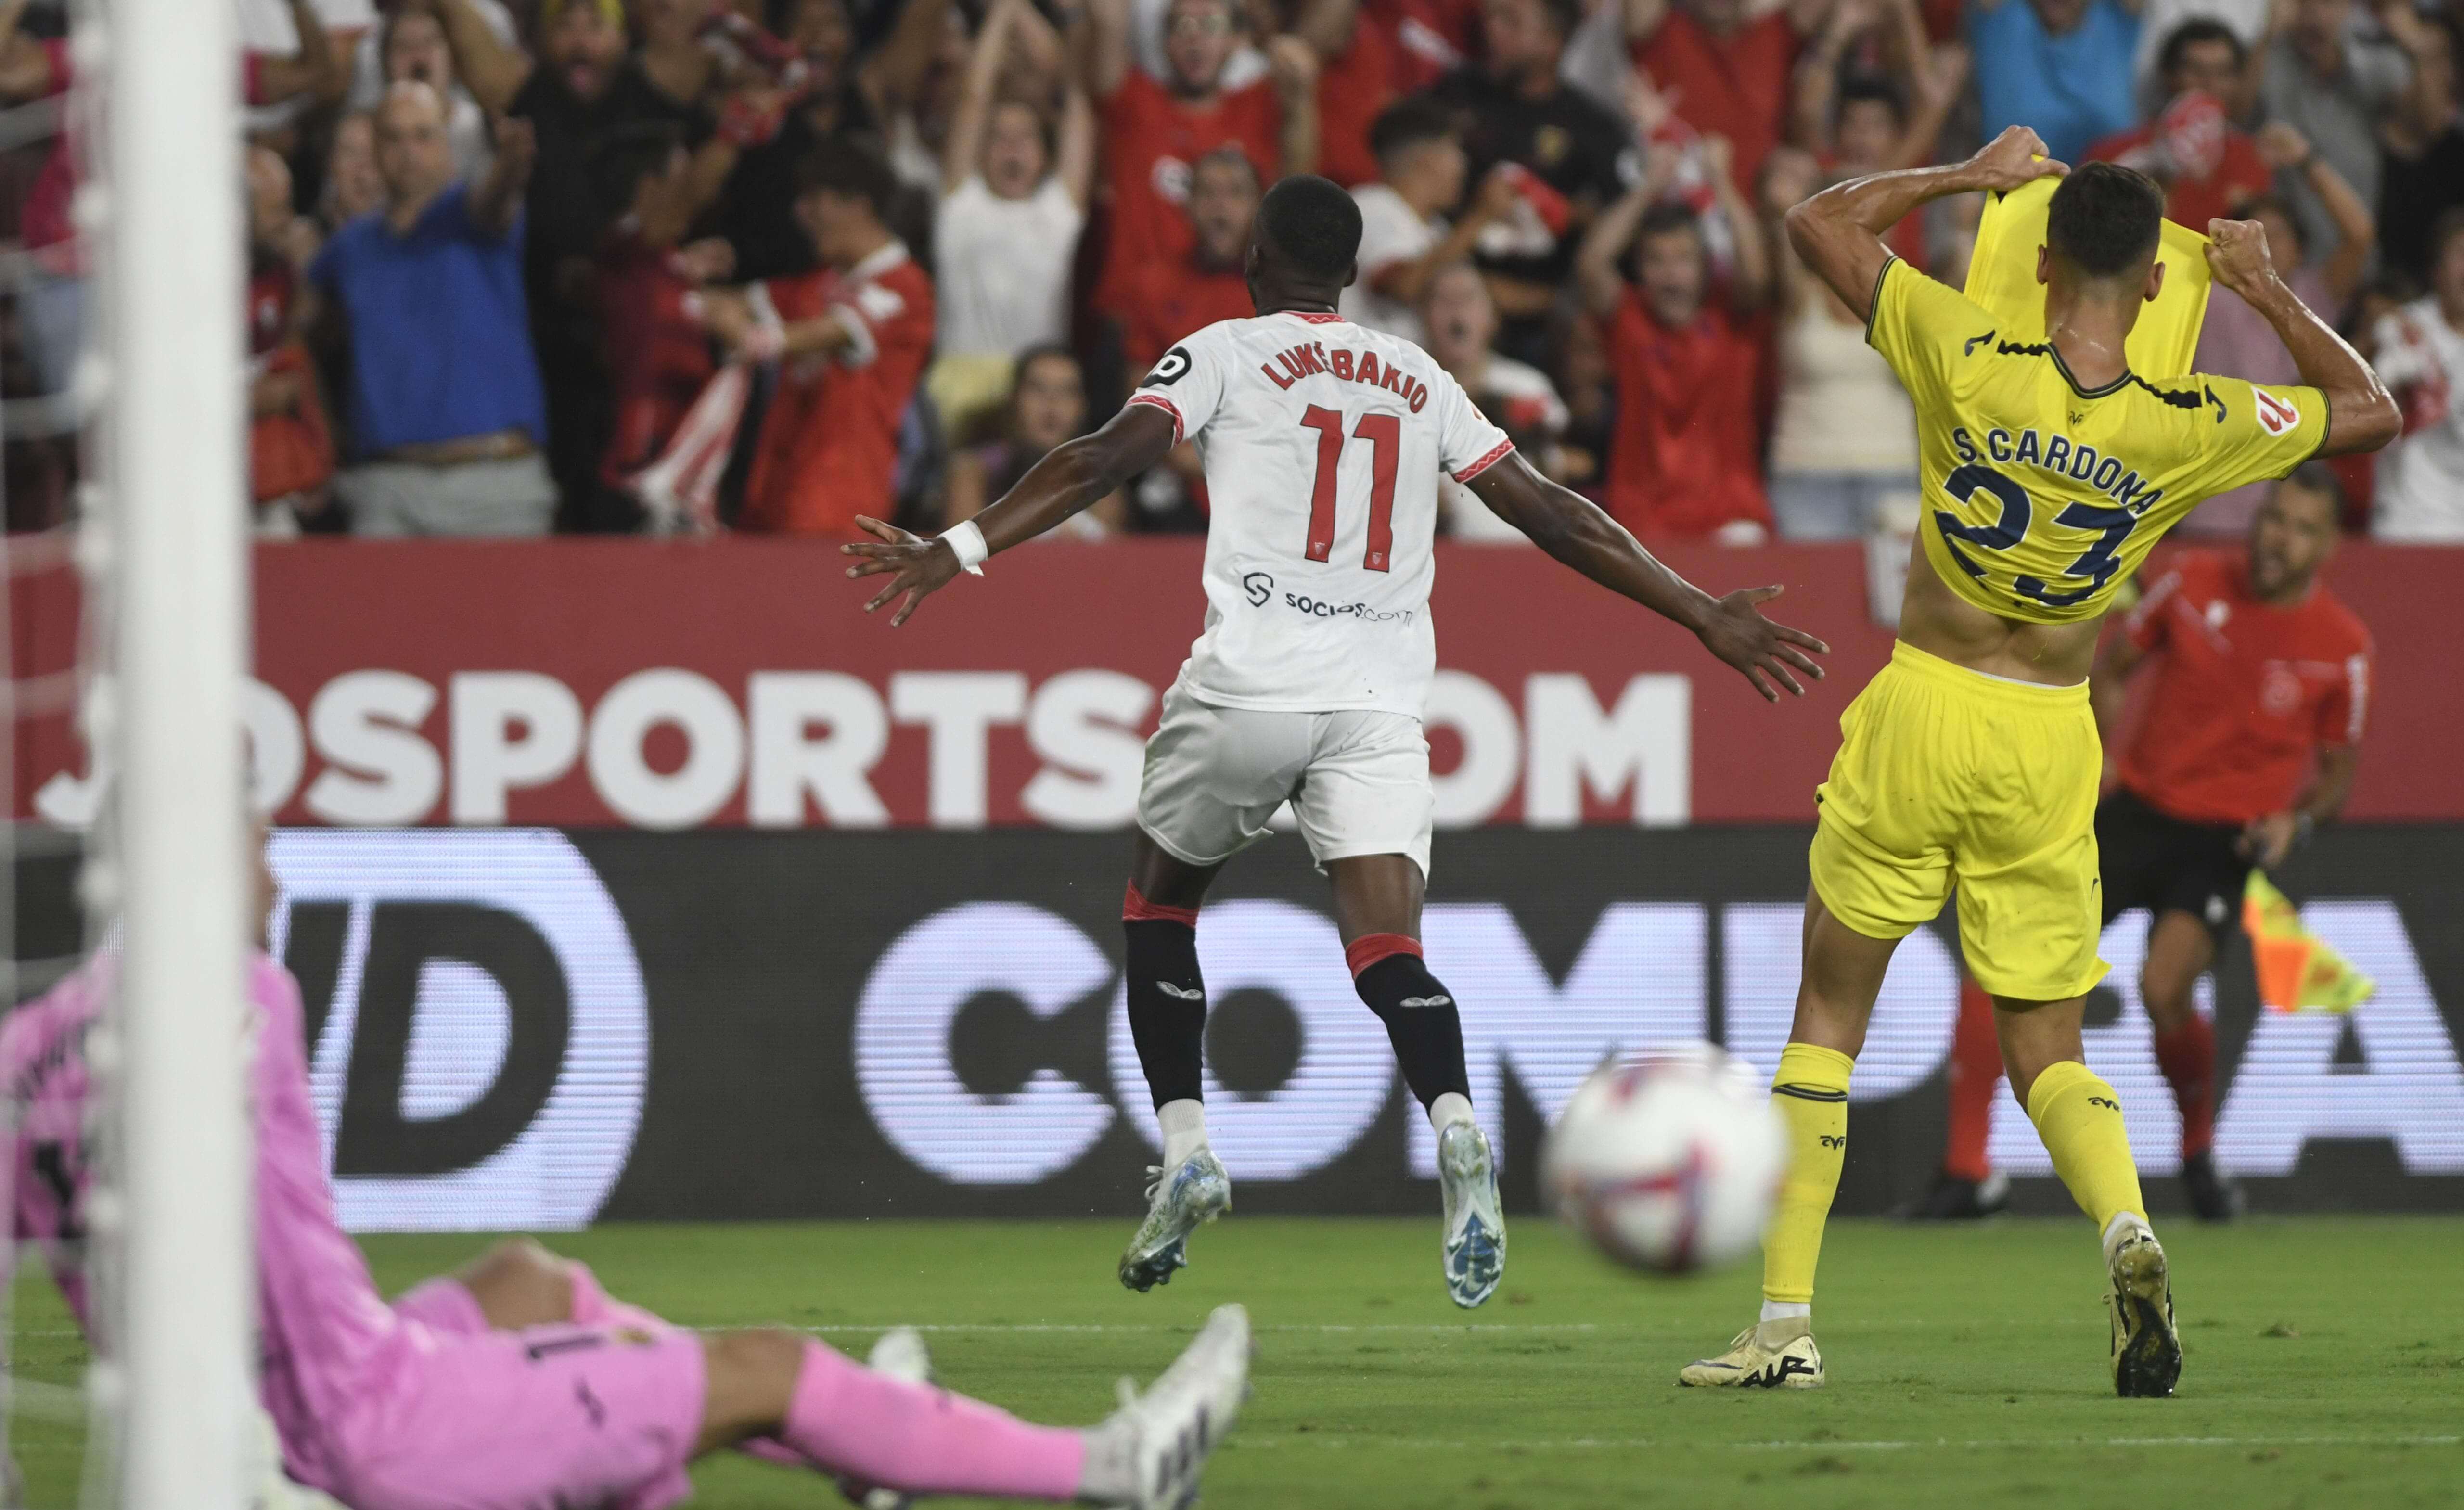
(2164, 864)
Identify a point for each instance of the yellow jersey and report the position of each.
(2041, 498)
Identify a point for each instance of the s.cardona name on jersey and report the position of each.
(1316, 601)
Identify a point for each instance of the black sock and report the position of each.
(1422, 1022)
(1167, 1006)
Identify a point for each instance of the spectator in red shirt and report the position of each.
(1432, 37)
(1688, 458)
(656, 353)
(1725, 74)
(2210, 167)
(1153, 130)
(850, 340)
(2249, 742)
(1167, 299)
(1361, 71)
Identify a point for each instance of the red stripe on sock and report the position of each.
(1975, 1070)
(1137, 908)
(1370, 948)
(2188, 1056)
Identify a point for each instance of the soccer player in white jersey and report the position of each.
(1322, 442)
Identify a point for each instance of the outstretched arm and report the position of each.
(2362, 415)
(1574, 531)
(1838, 232)
(1071, 478)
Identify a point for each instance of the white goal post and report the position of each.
(163, 204)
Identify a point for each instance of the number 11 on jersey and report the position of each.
(1384, 433)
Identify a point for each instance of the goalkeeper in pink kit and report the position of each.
(519, 1384)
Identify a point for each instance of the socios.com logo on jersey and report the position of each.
(480, 1036)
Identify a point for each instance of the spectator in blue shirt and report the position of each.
(2062, 67)
(442, 393)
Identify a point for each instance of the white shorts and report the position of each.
(1358, 780)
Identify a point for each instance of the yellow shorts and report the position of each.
(1946, 774)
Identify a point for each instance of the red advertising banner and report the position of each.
(587, 683)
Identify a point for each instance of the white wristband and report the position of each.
(967, 543)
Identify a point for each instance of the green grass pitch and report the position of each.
(2325, 1360)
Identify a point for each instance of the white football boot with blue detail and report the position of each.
(1475, 1235)
(1179, 1202)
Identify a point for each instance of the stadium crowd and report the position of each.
(692, 266)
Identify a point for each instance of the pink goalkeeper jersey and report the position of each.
(330, 1343)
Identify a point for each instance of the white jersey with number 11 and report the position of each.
(1323, 440)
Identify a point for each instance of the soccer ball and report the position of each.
(1669, 1160)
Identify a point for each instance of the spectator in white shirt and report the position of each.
(1844, 442)
(1404, 238)
(2420, 356)
(1013, 201)
(1462, 321)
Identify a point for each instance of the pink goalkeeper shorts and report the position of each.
(540, 1419)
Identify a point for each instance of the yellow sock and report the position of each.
(2079, 1118)
(1811, 1094)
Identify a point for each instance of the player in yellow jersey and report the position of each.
(1971, 760)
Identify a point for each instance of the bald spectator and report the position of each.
(442, 398)
(412, 47)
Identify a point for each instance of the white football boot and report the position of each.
(1178, 1204)
(1167, 1432)
(1474, 1249)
